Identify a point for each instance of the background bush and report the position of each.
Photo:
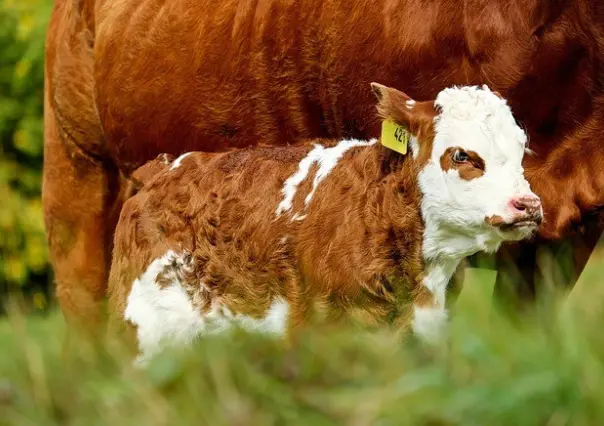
(23, 255)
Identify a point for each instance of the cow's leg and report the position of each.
(561, 264)
(587, 294)
(514, 290)
(81, 199)
(543, 269)
(586, 243)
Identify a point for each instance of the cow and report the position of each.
(266, 237)
(128, 80)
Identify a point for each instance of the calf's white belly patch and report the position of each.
(166, 316)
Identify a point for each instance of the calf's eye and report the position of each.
(460, 156)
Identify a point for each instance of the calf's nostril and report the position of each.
(519, 205)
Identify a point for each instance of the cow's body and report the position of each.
(128, 80)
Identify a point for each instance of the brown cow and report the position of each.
(265, 237)
(127, 80)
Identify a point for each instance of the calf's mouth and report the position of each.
(525, 221)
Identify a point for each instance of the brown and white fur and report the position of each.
(267, 237)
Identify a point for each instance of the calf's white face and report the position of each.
(469, 149)
(474, 181)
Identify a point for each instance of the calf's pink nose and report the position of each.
(530, 205)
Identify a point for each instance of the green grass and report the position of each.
(544, 369)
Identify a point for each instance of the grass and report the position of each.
(547, 369)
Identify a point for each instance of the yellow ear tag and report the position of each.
(394, 136)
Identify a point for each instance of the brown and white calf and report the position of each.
(266, 237)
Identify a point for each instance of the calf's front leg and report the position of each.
(430, 317)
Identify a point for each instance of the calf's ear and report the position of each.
(399, 107)
(147, 171)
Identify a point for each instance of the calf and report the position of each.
(267, 237)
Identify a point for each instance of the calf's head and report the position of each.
(469, 151)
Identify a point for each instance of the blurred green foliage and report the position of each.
(547, 369)
(23, 255)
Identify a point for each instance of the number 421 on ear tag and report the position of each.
(394, 136)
